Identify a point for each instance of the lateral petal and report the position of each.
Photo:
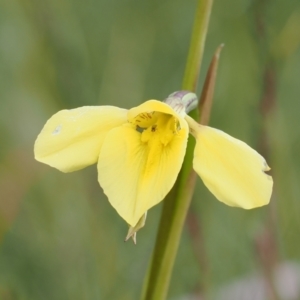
(230, 169)
(71, 139)
(136, 175)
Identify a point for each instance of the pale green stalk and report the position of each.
(178, 201)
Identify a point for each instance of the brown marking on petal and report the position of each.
(153, 128)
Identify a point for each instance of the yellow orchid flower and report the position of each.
(140, 152)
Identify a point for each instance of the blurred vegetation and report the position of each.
(60, 239)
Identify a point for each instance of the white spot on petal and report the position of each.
(57, 130)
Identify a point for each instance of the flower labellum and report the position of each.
(139, 153)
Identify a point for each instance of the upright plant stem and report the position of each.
(178, 201)
(193, 64)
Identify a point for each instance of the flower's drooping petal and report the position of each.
(154, 105)
(136, 171)
(71, 139)
(230, 169)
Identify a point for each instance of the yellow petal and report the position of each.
(71, 139)
(155, 105)
(230, 169)
(136, 175)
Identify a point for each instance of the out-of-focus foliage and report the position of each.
(60, 239)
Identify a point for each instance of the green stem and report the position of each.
(193, 64)
(177, 202)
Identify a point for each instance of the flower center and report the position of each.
(156, 126)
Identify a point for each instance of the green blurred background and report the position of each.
(60, 238)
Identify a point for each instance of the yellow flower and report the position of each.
(140, 152)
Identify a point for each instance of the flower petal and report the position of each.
(71, 139)
(155, 105)
(135, 175)
(230, 169)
